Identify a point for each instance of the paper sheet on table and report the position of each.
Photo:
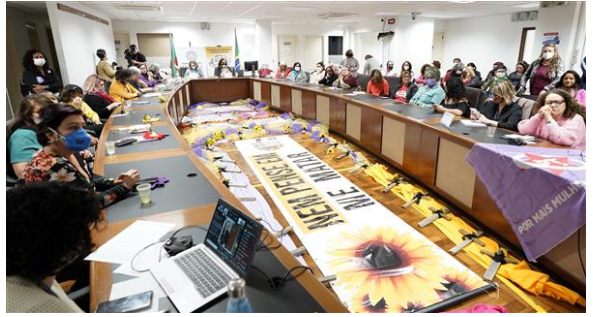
(150, 95)
(359, 92)
(122, 248)
(520, 137)
(473, 124)
(143, 283)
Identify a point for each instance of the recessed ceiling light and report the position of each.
(528, 5)
(296, 9)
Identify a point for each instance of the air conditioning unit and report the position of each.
(550, 4)
(383, 35)
(205, 26)
(524, 16)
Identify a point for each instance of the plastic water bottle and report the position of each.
(238, 302)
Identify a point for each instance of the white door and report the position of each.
(287, 49)
(438, 40)
(313, 52)
(122, 42)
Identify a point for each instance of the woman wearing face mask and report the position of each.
(194, 72)
(62, 135)
(38, 76)
(501, 111)
(407, 66)
(571, 82)
(515, 77)
(420, 81)
(345, 80)
(389, 70)
(455, 102)
(297, 74)
(105, 70)
(500, 75)
(318, 74)
(330, 77)
(146, 77)
(351, 63)
(96, 97)
(156, 73)
(377, 86)
(23, 143)
(558, 120)
(223, 70)
(121, 89)
(406, 88)
(431, 93)
(264, 71)
(544, 73)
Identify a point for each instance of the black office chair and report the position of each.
(476, 97)
(362, 81)
(11, 178)
(393, 82)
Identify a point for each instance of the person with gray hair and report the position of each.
(135, 80)
(157, 74)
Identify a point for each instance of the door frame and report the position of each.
(129, 43)
(523, 39)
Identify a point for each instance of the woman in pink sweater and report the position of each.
(558, 120)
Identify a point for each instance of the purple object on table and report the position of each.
(161, 181)
(540, 191)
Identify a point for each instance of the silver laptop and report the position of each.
(200, 274)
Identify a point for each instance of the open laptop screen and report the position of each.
(233, 237)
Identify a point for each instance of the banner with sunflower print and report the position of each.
(382, 264)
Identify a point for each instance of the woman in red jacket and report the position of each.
(377, 86)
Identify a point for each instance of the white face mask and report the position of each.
(548, 55)
(320, 69)
(39, 61)
(298, 69)
(406, 67)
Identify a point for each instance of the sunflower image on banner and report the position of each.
(391, 269)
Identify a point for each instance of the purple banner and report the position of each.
(540, 191)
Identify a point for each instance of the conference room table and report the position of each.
(408, 138)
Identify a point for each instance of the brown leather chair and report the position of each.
(526, 106)
(476, 97)
(393, 82)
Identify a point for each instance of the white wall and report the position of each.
(483, 41)
(77, 39)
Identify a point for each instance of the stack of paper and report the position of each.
(473, 123)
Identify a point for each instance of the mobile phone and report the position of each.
(127, 304)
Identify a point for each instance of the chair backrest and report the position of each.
(107, 85)
(362, 81)
(393, 82)
(526, 106)
(476, 97)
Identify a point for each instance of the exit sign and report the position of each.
(391, 21)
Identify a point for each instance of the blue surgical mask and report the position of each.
(77, 140)
(430, 82)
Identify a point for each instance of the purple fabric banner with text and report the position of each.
(540, 191)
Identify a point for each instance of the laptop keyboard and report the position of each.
(206, 274)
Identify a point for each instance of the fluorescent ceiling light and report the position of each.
(132, 7)
(297, 9)
(528, 5)
(386, 13)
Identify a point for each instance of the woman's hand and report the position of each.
(438, 108)
(77, 103)
(128, 179)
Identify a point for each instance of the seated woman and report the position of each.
(420, 81)
(135, 80)
(193, 71)
(223, 70)
(470, 78)
(318, 74)
(501, 111)
(96, 97)
(500, 75)
(329, 78)
(558, 120)
(36, 252)
(121, 89)
(23, 144)
(146, 77)
(283, 71)
(455, 101)
(406, 88)
(515, 77)
(297, 74)
(377, 86)
(37, 75)
(72, 95)
(62, 135)
(571, 82)
(345, 80)
(431, 93)
(156, 73)
(389, 70)
(407, 67)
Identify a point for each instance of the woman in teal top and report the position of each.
(23, 143)
(431, 93)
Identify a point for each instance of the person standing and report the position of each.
(370, 64)
(351, 63)
(105, 70)
(134, 57)
(544, 73)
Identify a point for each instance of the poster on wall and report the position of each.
(551, 38)
(216, 53)
(381, 263)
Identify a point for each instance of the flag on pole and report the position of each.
(173, 64)
(237, 62)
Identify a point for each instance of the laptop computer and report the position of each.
(200, 274)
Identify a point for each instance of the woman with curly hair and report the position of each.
(38, 76)
(558, 120)
(62, 135)
(544, 72)
(455, 101)
(36, 252)
(572, 83)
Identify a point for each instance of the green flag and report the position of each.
(173, 57)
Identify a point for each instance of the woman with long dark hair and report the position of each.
(455, 101)
(38, 76)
